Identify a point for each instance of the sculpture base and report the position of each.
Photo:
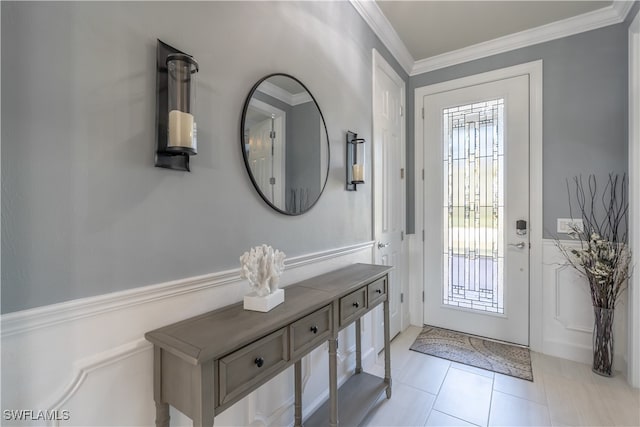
(254, 302)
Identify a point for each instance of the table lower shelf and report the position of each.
(356, 397)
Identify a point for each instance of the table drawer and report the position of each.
(312, 329)
(376, 291)
(352, 305)
(241, 370)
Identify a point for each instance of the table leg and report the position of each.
(333, 382)
(358, 347)
(162, 408)
(298, 393)
(202, 405)
(387, 349)
(162, 414)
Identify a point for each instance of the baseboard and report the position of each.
(580, 353)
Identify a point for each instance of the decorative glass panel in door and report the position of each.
(473, 206)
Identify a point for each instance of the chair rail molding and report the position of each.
(89, 356)
(47, 316)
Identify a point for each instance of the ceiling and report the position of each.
(429, 28)
(436, 28)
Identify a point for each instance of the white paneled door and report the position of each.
(476, 211)
(389, 193)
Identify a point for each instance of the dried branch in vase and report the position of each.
(603, 257)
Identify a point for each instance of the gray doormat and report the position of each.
(471, 350)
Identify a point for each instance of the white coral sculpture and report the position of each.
(262, 267)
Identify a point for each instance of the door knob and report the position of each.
(520, 245)
(382, 245)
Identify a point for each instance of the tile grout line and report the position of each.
(493, 380)
(453, 416)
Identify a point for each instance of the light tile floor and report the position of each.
(428, 391)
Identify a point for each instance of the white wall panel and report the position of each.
(567, 316)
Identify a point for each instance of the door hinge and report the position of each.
(401, 173)
(422, 296)
(401, 111)
(272, 134)
(423, 235)
(402, 235)
(401, 298)
(272, 180)
(423, 113)
(423, 174)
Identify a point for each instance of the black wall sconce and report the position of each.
(175, 107)
(355, 161)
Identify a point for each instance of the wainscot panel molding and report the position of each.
(568, 313)
(89, 356)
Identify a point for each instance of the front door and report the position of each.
(477, 209)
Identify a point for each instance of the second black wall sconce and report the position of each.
(355, 161)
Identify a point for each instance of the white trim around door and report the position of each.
(633, 356)
(534, 70)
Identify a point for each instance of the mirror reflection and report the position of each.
(285, 144)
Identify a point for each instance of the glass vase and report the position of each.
(603, 341)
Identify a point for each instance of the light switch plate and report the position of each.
(568, 225)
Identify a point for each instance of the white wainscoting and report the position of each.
(567, 318)
(89, 356)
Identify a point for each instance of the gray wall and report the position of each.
(584, 110)
(84, 210)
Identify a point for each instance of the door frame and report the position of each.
(266, 108)
(534, 70)
(633, 320)
(380, 64)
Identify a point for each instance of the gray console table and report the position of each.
(205, 364)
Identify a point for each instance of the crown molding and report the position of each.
(277, 92)
(610, 15)
(373, 16)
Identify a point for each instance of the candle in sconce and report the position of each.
(182, 130)
(358, 173)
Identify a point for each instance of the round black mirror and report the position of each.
(285, 144)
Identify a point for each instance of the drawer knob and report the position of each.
(356, 304)
(314, 329)
(378, 291)
(259, 361)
